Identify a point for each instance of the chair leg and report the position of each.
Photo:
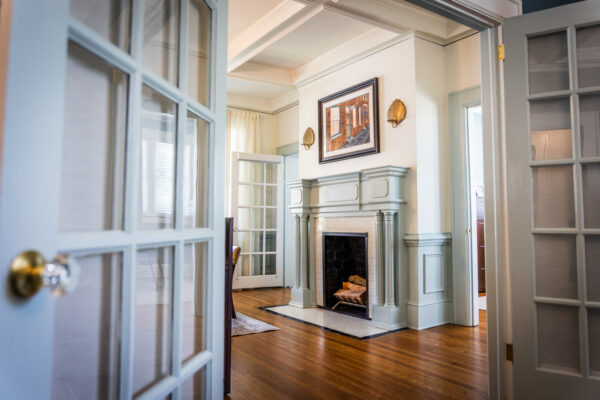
(233, 314)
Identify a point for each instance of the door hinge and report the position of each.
(509, 352)
(501, 54)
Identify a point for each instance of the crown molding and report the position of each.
(263, 73)
(363, 46)
(270, 107)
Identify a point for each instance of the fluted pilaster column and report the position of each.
(388, 217)
(298, 250)
(379, 263)
(304, 250)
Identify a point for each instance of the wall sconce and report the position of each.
(308, 139)
(396, 113)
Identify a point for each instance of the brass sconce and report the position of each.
(308, 139)
(396, 113)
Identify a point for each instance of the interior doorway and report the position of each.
(475, 138)
(468, 197)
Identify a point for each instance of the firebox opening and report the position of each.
(345, 287)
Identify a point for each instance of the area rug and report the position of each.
(483, 303)
(346, 325)
(245, 325)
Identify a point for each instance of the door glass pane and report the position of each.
(257, 265)
(271, 173)
(257, 242)
(551, 129)
(244, 194)
(93, 150)
(87, 332)
(590, 175)
(257, 218)
(259, 172)
(553, 197)
(243, 240)
(157, 194)
(548, 63)
(243, 219)
(271, 220)
(555, 266)
(193, 298)
(199, 50)
(258, 195)
(245, 171)
(161, 38)
(195, 173)
(194, 388)
(270, 241)
(271, 196)
(270, 264)
(558, 337)
(589, 119)
(243, 265)
(594, 341)
(111, 19)
(592, 267)
(153, 316)
(588, 56)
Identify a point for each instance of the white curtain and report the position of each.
(242, 136)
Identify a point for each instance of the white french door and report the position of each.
(257, 206)
(110, 149)
(552, 87)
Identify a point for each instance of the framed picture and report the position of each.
(349, 123)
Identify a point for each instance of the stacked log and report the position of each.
(354, 291)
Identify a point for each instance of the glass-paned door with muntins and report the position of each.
(257, 197)
(136, 209)
(553, 128)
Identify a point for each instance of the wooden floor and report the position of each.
(305, 362)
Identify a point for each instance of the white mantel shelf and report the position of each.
(374, 189)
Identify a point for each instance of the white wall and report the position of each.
(267, 134)
(433, 159)
(288, 127)
(394, 67)
(463, 64)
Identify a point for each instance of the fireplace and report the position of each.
(345, 266)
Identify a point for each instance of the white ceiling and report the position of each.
(320, 34)
(244, 13)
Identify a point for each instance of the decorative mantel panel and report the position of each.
(370, 201)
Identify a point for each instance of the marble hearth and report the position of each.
(370, 201)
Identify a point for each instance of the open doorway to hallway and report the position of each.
(477, 203)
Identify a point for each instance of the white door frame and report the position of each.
(31, 173)
(496, 222)
(243, 282)
(464, 276)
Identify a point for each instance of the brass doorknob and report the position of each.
(29, 272)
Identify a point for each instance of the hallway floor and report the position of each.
(301, 361)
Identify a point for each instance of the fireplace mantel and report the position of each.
(368, 190)
(371, 200)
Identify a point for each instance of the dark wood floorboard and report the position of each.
(305, 362)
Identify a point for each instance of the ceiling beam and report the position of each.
(263, 73)
(278, 23)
